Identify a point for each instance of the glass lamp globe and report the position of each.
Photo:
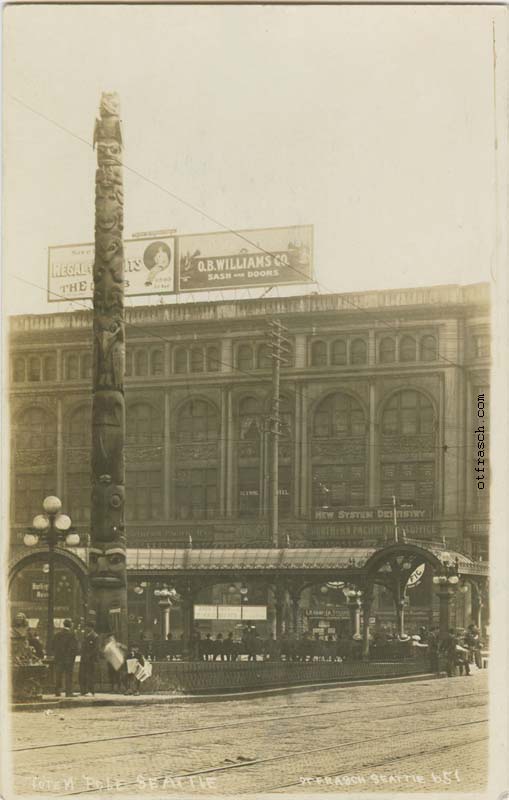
(40, 522)
(138, 589)
(45, 568)
(324, 589)
(446, 558)
(72, 539)
(52, 504)
(62, 522)
(463, 588)
(232, 588)
(157, 592)
(30, 539)
(436, 579)
(453, 579)
(243, 589)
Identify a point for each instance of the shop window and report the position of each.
(197, 360)
(18, 370)
(143, 425)
(264, 357)
(72, 367)
(34, 368)
(180, 360)
(213, 359)
(318, 354)
(35, 429)
(428, 348)
(387, 350)
(245, 357)
(407, 349)
(141, 363)
(86, 366)
(196, 493)
(156, 362)
(249, 491)
(143, 495)
(339, 356)
(358, 352)
(198, 421)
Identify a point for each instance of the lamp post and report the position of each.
(51, 527)
(447, 583)
(165, 595)
(353, 597)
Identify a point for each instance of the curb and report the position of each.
(167, 699)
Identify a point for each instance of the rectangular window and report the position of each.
(29, 492)
(412, 483)
(196, 493)
(143, 495)
(78, 495)
(336, 486)
(249, 491)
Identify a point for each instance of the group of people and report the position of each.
(462, 649)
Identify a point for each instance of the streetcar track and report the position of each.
(384, 763)
(271, 759)
(240, 723)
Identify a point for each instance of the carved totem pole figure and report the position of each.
(107, 555)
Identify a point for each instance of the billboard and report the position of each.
(240, 259)
(197, 262)
(149, 269)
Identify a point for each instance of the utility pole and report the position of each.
(395, 517)
(279, 350)
(107, 553)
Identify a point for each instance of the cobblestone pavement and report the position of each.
(420, 736)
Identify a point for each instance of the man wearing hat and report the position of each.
(65, 650)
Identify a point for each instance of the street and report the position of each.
(416, 736)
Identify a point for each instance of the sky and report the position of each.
(375, 125)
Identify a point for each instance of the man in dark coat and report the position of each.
(65, 650)
(448, 646)
(88, 660)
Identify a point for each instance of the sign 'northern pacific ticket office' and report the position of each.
(197, 262)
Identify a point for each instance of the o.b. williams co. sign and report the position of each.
(235, 260)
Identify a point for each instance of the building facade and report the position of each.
(382, 397)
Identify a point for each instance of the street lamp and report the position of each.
(51, 528)
(165, 595)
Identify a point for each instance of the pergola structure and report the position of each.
(289, 571)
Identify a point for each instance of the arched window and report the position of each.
(80, 427)
(86, 366)
(338, 355)
(34, 368)
(141, 363)
(318, 354)
(249, 476)
(72, 367)
(18, 370)
(180, 360)
(156, 362)
(197, 360)
(408, 413)
(143, 425)
(245, 357)
(198, 421)
(35, 429)
(387, 350)
(213, 359)
(339, 453)
(407, 468)
(264, 357)
(358, 351)
(428, 348)
(407, 349)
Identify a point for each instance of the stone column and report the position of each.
(445, 594)
(367, 602)
(372, 448)
(166, 457)
(60, 450)
(229, 454)
(305, 455)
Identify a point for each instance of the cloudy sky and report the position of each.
(376, 125)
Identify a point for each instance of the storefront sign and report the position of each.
(225, 612)
(336, 612)
(234, 260)
(371, 514)
(40, 590)
(149, 268)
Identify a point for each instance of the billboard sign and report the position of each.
(149, 269)
(242, 259)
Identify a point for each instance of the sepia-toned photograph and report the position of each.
(254, 416)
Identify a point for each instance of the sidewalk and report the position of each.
(50, 702)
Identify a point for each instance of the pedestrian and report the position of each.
(88, 660)
(219, 653)
(228, 647)
(448, 646)
(432, 641)
(473, 643)
(462, 659)
(134, 662)
(65, 650)
(115, 654)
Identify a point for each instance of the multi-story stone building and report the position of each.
(381, 399)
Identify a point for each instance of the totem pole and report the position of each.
(107, 553)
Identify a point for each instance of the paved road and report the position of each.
(419, 736)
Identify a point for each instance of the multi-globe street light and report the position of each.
(51, 528)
